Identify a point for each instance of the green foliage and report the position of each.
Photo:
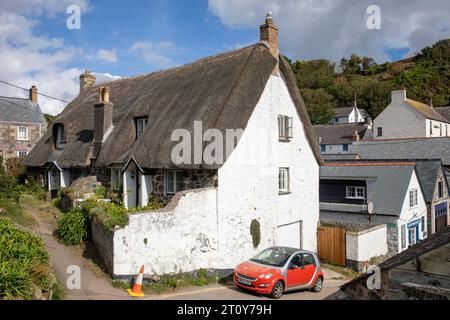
(320, 105)
(49, 118)
(154, 203)
(426, 76)
(64, 200)
(255, 231)
(101, 192)
(14, 167)
(110, 214)
(24, 263)
(74, 227)
(9, 188)
(2, 167)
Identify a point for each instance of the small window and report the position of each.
(356, 193)
(403, 236)
(22, 153)
(440, 189)
(413, 198)
(323, 148)
(60, 136)
(22, 133)
(345, 147)
(285, 128)
(308, 260)
(141, 125)
(422, 224)
(380, 131)
(174, 182)
(116, 179)
(336, 120)
(283, 180)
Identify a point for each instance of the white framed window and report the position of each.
(22, 153)
(356, 193)
(285, 128)
(413, 198)
(22, 133)
(116, 179)
(174, 181)
(283, 180)
(141, 125)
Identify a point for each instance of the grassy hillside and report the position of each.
(325, 85)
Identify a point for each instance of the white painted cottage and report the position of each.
(226, 141)
(406, 118)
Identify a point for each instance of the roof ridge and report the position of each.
(371, 164)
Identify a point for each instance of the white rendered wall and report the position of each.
(362, 246)
(248, 182)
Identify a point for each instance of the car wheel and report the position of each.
(277, 290)
(318, 285)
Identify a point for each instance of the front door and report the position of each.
(441, 223)
(295, 273)
(413, 236)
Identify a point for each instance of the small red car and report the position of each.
(280, 269)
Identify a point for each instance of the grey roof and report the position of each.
(444, 111)
(343, 112)
(339, 133)
(20, 110)
(412, 149)
(390, 183)
(340, 157)
(427, 172)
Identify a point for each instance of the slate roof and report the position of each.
(221, 91)
(399, 149)
(391, 182)
(427, 172)
(20, 110)
(340, 133)
(444, 111)
(340, 156)
(426, 110)
(343, 112)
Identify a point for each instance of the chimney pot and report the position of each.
(104, 94)
(34, 94)
(87, 79)
(398, 96)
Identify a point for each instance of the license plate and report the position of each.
(245, 282)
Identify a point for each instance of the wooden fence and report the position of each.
(331, 245)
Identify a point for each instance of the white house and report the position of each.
(406, 118)
(225, 141)
(351, 115)
(394, 189)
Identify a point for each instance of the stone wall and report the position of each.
(9, 145)
(103, 241)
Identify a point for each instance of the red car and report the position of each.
(280, 269)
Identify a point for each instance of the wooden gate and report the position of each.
(331, 245)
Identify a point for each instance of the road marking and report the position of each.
(180, 294)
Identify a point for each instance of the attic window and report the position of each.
(60, 142)
(285, 128)
(141, 125)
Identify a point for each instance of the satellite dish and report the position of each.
(370, 207)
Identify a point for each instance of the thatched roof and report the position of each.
(221, 91)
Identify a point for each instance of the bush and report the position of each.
(24, 263)
(14, 167)
(64, 200)
(2, 167)
(101, 192)
(74, 227)
(9, 188)
(255, 231)
(154, 203)
(110, 215)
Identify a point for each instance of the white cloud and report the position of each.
(109, 56)
(105, 77)
(331, 29)
(158, 54)
(38, 7)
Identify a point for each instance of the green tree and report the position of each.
(320, 105)
(2, 167)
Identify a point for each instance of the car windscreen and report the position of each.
(272, 257)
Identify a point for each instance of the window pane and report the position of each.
(308, 260)
(281, 126)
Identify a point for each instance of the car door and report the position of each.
(309, 265)
(295, 272)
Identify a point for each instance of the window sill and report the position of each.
(283, 193)
(284, 140)
(351, 198)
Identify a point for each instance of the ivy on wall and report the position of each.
(255, 231)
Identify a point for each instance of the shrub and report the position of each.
(24, 263)
(65, 200)
(14, 167)
(110, 214)
(2, 167)
(9, 188)
(154, 203)
(74, 226)
(101, 192)
(255, 231)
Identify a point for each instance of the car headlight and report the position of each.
(262, 276)
(268, 276)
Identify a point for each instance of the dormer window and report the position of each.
(60, 141)
(141, 125)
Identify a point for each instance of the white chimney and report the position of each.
(398, 96)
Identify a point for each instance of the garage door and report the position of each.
(290, 235)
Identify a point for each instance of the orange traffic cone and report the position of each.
(137, 288)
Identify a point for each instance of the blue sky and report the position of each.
(122, 39)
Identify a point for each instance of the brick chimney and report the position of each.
(398, 96)
(269, 34)
(87, 79)
(103, 119)
(33, 94)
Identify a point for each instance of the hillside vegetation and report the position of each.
(325, 85)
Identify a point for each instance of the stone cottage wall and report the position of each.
(9, 145)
